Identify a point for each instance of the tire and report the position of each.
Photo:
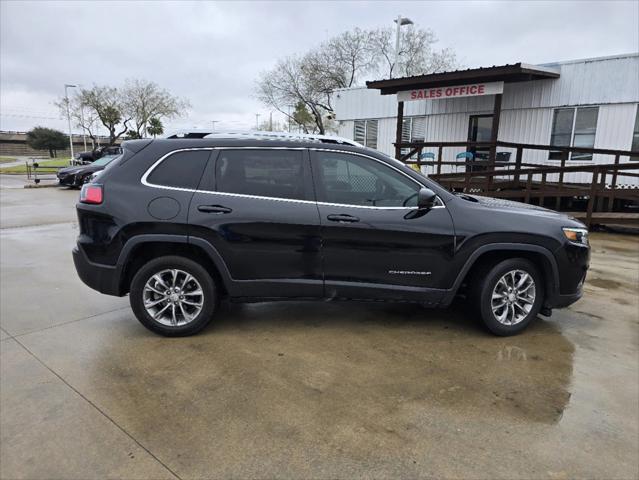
(485, 283)
(181, 316)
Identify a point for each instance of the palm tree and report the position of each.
(155, 127)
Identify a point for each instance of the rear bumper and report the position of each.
(103, 278)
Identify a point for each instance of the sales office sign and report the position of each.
(454, 91)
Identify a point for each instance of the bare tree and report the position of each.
(344, 61)
(81, 116)
(144, 100)
(416, 56)
(107, 104)
(290, 83)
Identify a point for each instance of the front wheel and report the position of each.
(173, 296)
(508, 295)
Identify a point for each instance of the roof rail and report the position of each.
(294, 137)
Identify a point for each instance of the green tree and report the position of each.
(41, 138)
(132, 135)
(155, 127)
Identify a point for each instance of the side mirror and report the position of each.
(426, 198)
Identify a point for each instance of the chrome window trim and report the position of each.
(144, 180)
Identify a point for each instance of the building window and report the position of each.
(366, 133)
(574, 127)
(635, 137)
(413, 130)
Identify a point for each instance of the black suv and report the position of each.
(179, 224)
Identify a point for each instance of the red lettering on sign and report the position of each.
(413, 95)
(448, 92)
(481, 89)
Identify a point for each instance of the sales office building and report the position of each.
(591, 103)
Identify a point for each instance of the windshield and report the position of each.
(105, 160)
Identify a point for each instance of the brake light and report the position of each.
(91, 193)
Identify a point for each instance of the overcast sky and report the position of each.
(212, 52)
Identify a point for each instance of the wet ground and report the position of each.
(305, 390)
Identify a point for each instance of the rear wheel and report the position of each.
(173, 296)
(508, 295)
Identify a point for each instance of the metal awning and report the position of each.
(518, 72)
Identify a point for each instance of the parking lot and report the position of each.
(305, 390)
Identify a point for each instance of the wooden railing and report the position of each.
(529, 182)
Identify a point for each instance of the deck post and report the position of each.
(440, 152)
(518, 159)
(398, 131)
(493, 135)
(613, 185)
(593, 194)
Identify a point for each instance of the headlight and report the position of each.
(576, 235)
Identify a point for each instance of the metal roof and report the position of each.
(517, 72)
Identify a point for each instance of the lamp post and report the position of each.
(213, 122)
(257, 121)
(399, 21)
(66, 96)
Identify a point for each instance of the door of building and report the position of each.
(479, 130)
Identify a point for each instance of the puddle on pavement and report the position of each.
(604, 283)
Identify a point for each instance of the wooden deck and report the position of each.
(602, 200)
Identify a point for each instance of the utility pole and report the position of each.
(257, 121)
(66, 96)
(213, 122)
(270, 123)
(84, 130)
(399, 21)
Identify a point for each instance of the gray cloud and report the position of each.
(211, 53)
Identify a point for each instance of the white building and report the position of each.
(591, 103)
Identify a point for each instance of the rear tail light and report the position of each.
(91, 193)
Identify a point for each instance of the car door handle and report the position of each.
(214, 209)
(343, 218)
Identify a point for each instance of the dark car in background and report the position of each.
(76, 176)
(179, 224)
(92, 156)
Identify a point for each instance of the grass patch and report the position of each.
(55, 162)
(7, 159)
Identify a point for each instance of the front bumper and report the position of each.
(103, 278)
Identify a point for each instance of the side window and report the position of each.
(181, 169)
(266, 173)
(354, 180)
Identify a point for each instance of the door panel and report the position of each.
(375, 251)
(263, 222)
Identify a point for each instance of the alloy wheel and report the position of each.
(173, 297)
(513, 297)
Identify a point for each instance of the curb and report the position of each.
(33, 185)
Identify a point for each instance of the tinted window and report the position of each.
(267, 173)
(181, 169)
(355, 180)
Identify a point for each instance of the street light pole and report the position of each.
(213, 122)
(257, 121)
(66, 96)
(84, 130)
(399, 21)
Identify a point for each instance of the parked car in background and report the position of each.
(178, 224)
(76, 176)
(92, 156)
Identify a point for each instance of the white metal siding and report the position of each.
(586, 82)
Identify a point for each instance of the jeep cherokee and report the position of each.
(179, 224)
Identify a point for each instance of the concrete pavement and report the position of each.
(305, 390)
